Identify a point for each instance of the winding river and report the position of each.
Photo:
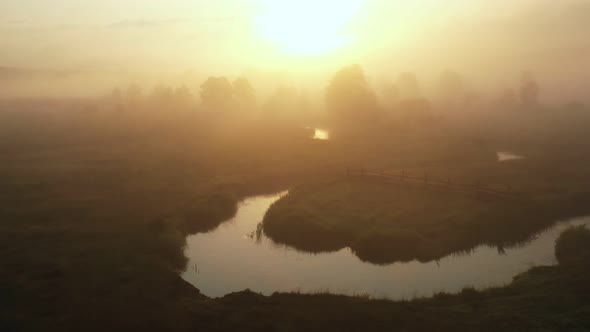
(231, 258)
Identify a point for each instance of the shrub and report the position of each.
(573, 246)
(390, 246)
(207, 212)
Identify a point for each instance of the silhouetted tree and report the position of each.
(183, 96)
(244, 93)
(575, 105)
(573, 246)
(116, 98)
(133, 91)
(529, 91)
(287, 103)
(391, 95)
(133, 96)
(412, 105)
(349, 96)
(451, 87)
(304, 105)
(416, 109)
(216, 92)
(116, 95)
(161, 95)
(508, 99)
(281, 102)
(409, 87)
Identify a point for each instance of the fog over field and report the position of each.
(83, 47)
(294, 165)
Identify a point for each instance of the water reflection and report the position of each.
(508, 156)
(321, 134)
(237, 256)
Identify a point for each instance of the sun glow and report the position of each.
(308, 27)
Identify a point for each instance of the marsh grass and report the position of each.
(389, 222)
(572, 246)
(93, 206)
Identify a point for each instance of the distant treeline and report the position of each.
(349, 99)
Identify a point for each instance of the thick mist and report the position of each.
(182, 43)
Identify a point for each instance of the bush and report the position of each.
(573, 246)
(296, 228)
(207, 212)
(390, 246)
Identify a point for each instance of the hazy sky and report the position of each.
(480, 37)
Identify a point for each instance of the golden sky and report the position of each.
(229, 36)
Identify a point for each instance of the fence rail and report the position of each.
(432, 182)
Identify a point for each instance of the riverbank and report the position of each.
(389, 222)
(553, 298)
(237, 255)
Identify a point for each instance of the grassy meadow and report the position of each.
(95, 208)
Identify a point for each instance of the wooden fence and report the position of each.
(431, 182)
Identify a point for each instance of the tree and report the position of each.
(416, 109)
(391, 95)
(508, 100)
(529, 91)
(133, 95)
(409, 87)
(161, 95)
(134, 92)
(116, 98)
(451, 87)
(349, 96)
(573, 246)
(412, 105)
(183, 96)
(216, 92)
(282, 103)
(244, 93)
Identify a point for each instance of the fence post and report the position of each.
(403, 175)
(362, 171)
(426, 178)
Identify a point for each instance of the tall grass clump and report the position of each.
(573, 246)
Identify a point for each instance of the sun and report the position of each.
(308, 27)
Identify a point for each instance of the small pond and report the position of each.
(231, 259)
